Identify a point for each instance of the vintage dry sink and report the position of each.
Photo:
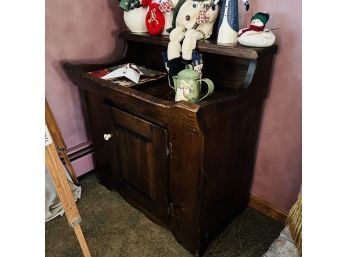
(188, 167)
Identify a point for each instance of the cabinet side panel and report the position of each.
(185, 175)
(229, 157)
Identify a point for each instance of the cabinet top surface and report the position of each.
(208, 46)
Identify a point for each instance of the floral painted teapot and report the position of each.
(187, 85)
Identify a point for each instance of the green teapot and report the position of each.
(187, 85)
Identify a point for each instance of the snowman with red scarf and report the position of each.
(257, 35)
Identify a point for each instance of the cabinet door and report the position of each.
(140, 163)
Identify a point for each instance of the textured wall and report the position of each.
(278, 170)
(83, 31)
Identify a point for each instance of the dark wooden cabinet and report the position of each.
(188, 167)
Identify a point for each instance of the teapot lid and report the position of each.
(189, 73)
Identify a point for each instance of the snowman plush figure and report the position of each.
(193, 21)
(257, 35)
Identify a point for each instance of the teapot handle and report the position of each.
(210, 85)
(174, 77)
(189, 66)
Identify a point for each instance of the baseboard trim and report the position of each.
(81, 158)
(267, 209)
(80, 153)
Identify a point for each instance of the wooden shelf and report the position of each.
(207, 46)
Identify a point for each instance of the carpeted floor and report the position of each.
(113, 228)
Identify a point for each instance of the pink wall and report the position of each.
(278, 171)
(84, 31)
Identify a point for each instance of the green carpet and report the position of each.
(113, 228)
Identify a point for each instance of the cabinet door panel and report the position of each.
(141, 161)
(134, 161)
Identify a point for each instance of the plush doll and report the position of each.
(228, 21)
(193, 22)
(256, 35)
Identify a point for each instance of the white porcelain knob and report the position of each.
(107, 136)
